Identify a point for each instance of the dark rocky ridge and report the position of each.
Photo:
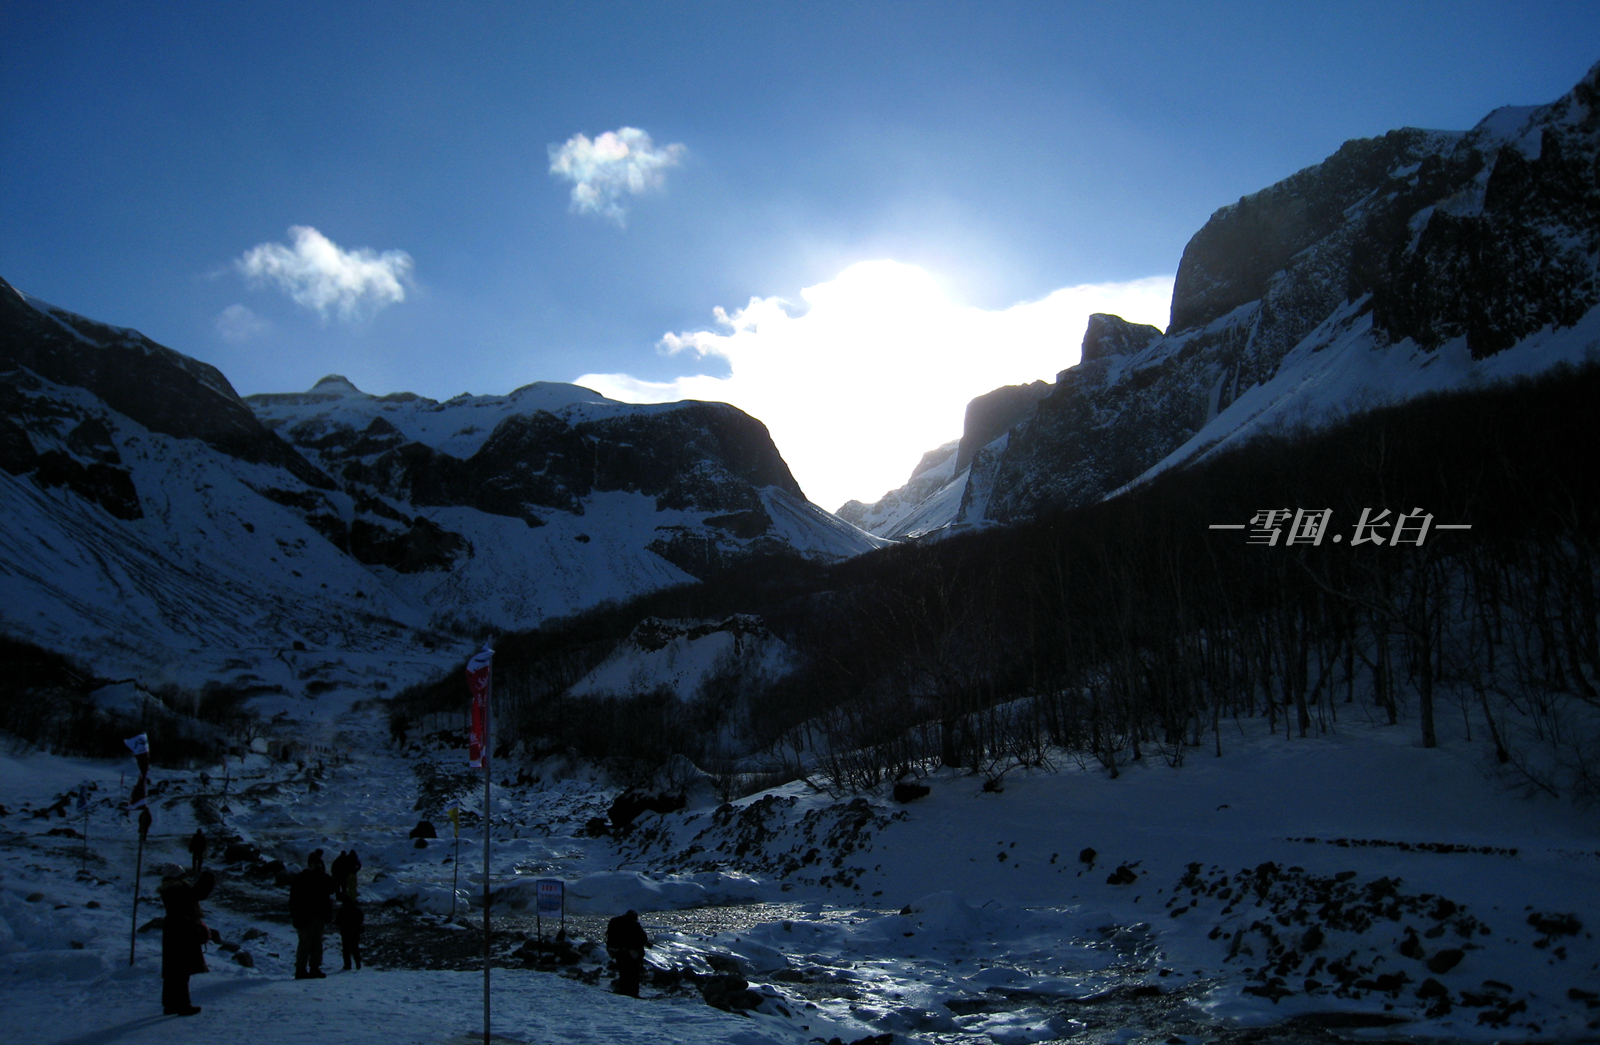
(694, 456)
(163, 390)
(1490, 235)
(992, 414)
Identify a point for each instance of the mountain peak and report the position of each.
(336, 384)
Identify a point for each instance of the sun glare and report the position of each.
(876, 366)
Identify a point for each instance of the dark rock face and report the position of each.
(990, 415)
(62, 442)
(162, 390)
(1523, 258)
(1114, 336)
(1490, 235)
(705, 457)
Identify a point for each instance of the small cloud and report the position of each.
(617, 163)
(320, 275)
(237, 323)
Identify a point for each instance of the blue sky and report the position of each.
(154, 158)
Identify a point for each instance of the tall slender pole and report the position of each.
(133, 936)
(488, 704)
(455, 873)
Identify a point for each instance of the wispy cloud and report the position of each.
(877, 366)
(237, 323)
(322, 276)
(613, 166)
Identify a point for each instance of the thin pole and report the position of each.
(488, 704)
(83, 864)
(133, 936)
(455, 875)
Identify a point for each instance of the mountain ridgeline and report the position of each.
(151, 512)
(1404, 336)
(1416, 261)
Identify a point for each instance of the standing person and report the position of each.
(181, 937)
(310, 909)
(197, 850)
(349, 920)
(337, 869)
(347, 881)
(626, 942)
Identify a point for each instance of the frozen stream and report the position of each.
(1087, 988)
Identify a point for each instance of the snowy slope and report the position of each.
(563, 497)
(154, 526)
(971, 915)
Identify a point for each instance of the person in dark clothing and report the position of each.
(349, 920)
(197, 850)
(626, 941)
(310, 909)
(336, 869)
(352, 867)
(344, 869)
(182, 937)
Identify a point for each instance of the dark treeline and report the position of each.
(1129, 629)
(47, 701)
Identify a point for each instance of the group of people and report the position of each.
(312, 893)
(184, 933)
(311, 907)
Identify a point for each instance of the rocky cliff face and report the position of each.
(149, 512)
(1415, 261)
(707, 470)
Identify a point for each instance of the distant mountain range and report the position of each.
(153, 517)
(1417, 261)
(150, 512)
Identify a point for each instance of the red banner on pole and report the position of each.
(478, 688)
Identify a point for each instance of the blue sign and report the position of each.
(548, 895)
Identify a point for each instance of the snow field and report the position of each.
(966, 916)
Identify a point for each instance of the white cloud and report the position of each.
(320, 275)
(880, 367)
(619, 163)
(237, 323)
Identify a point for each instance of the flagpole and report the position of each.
(133, 934)
(455, 873)
(488, 704)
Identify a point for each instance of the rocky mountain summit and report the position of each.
(548, 449)
(1416, 261)
(150, 512)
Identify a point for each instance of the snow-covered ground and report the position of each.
(1309, 887)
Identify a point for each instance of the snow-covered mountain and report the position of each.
(151, 517)
(932, 498)
(1414, 262)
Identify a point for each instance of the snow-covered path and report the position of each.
(1289, 879)
(395, 1007)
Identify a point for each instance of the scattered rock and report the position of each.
(244, 959)
(906, 792)
(626, 807)
(240, 852)
(1445, 960)
(424, 829)
(728, 991)
(1123, 875)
